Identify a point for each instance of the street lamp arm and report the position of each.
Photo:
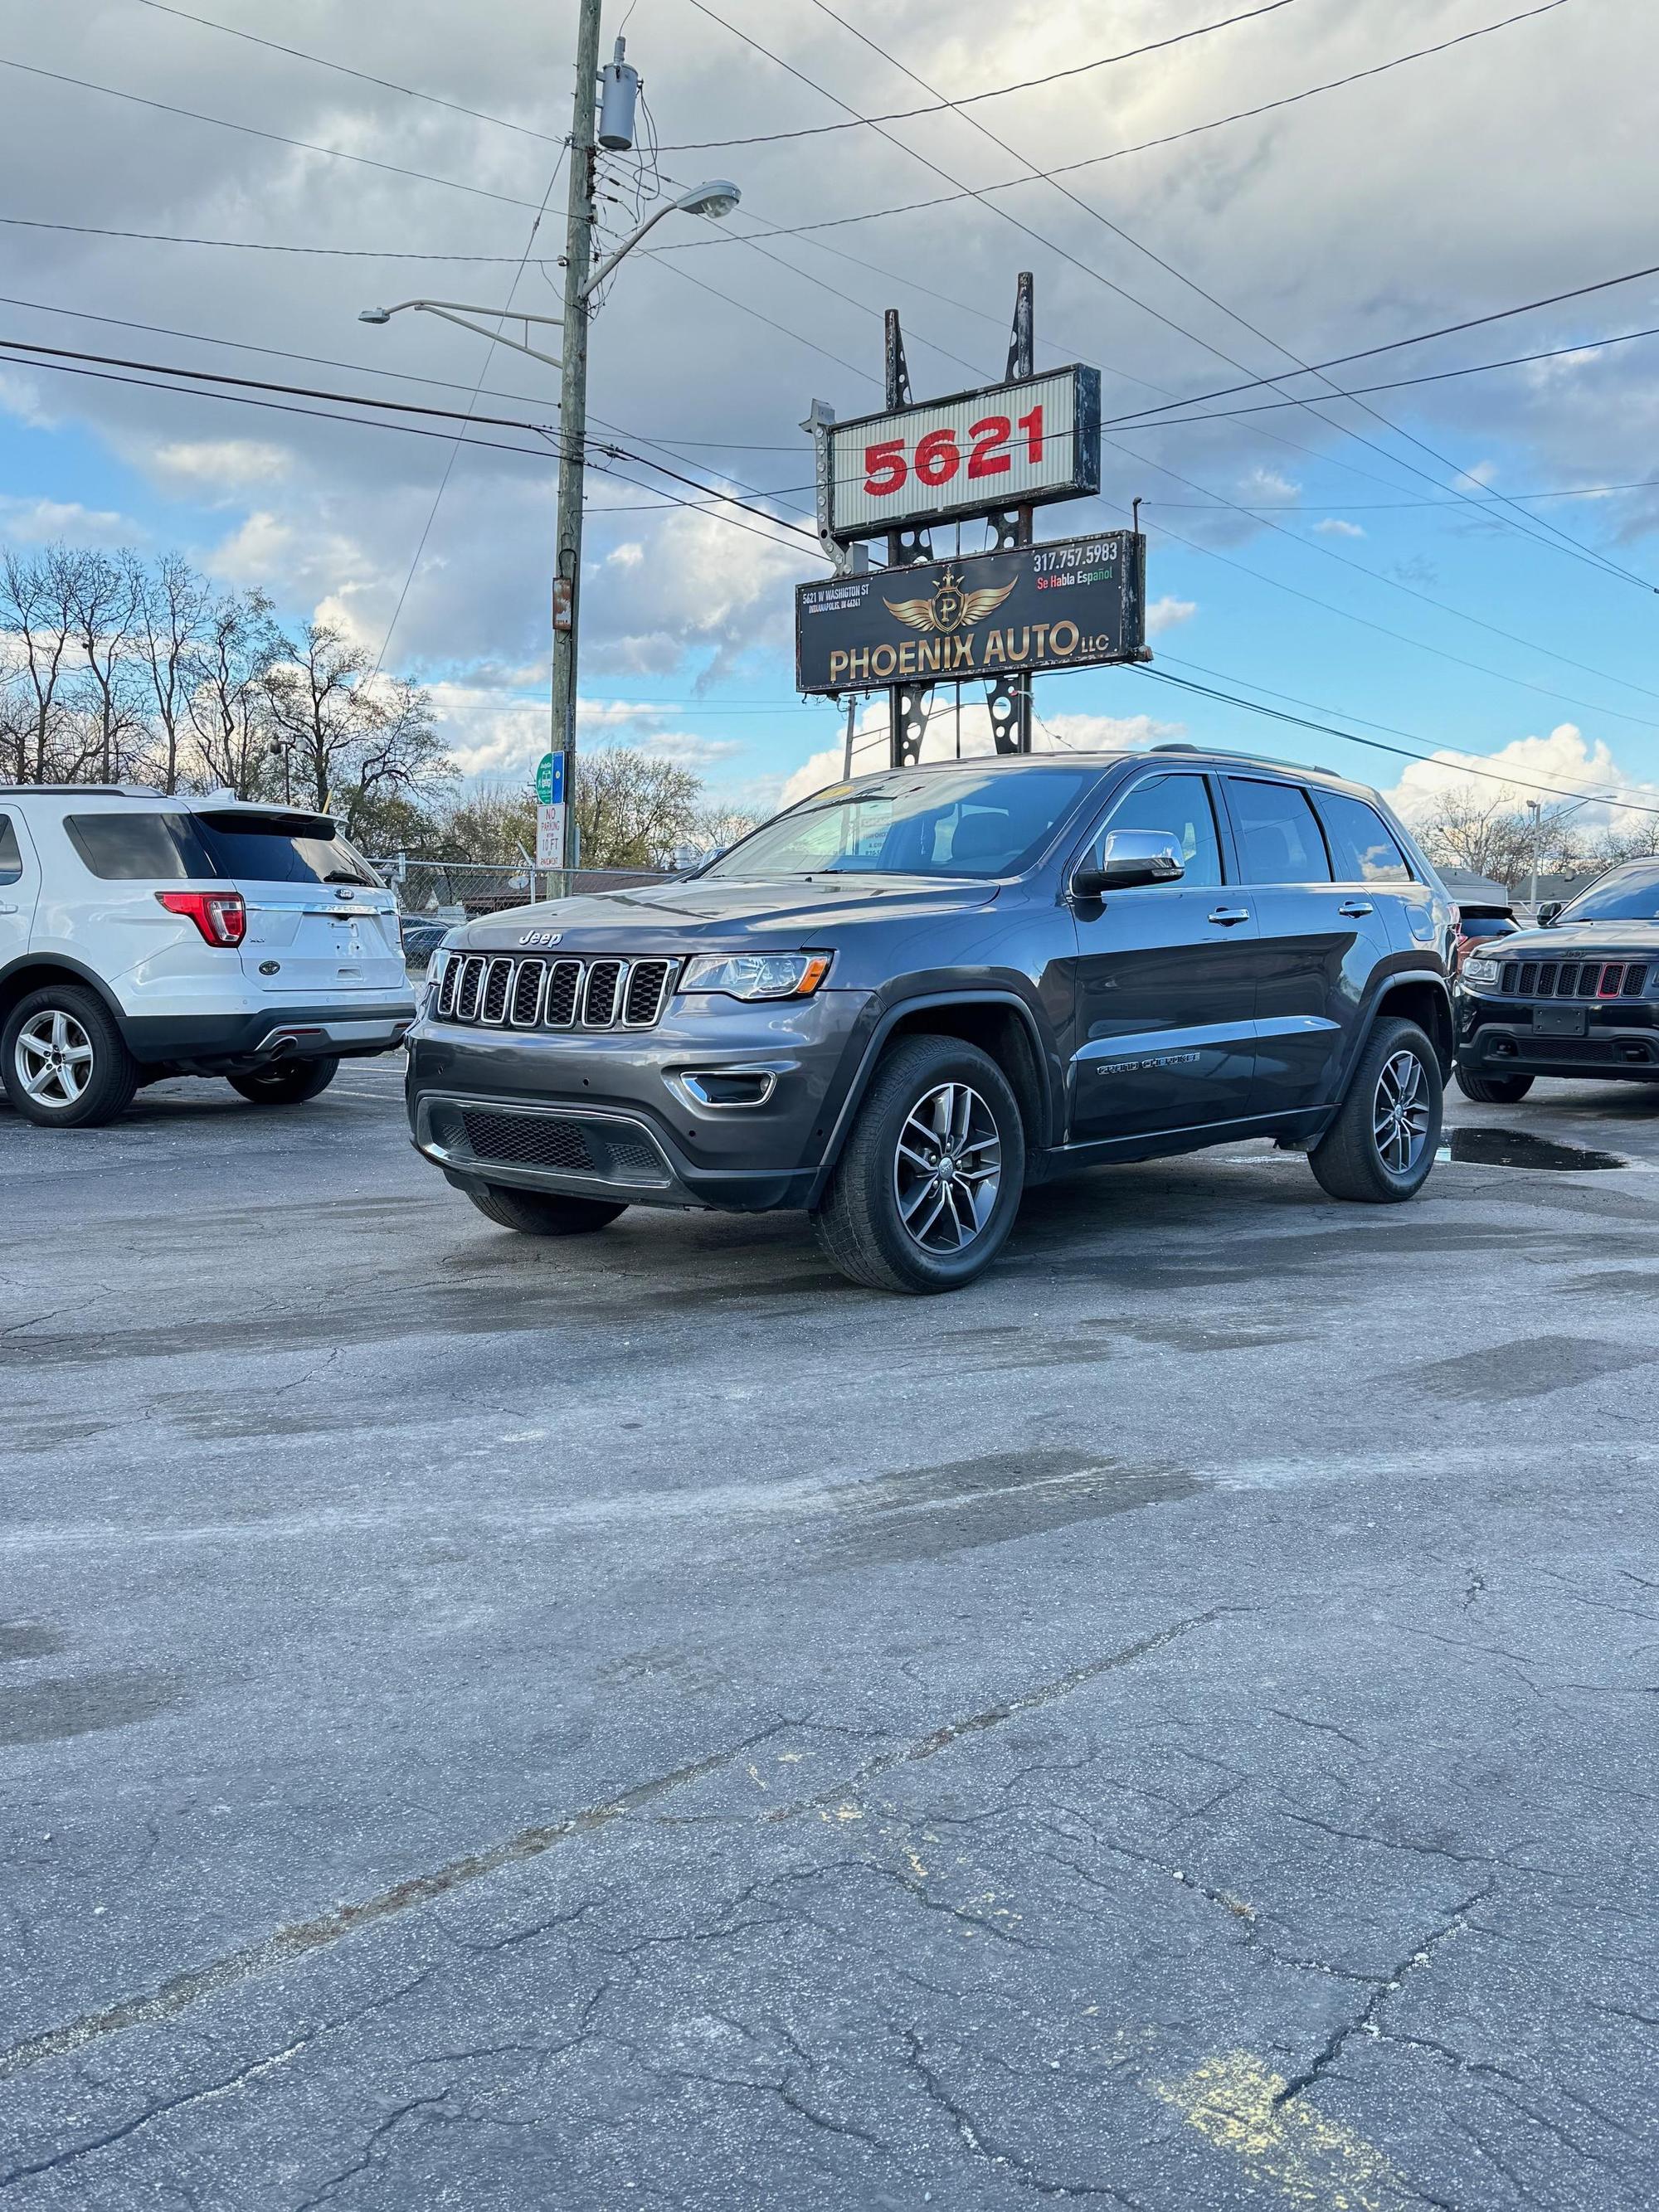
(460, 313)
(716, 198)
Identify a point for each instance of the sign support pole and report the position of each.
(1008, 699)
(908, 703)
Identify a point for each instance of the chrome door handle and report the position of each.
(1226, 916)
(1355, 908)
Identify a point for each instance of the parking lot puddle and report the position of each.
(1520, 1148)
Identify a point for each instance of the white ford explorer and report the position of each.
(142, 937)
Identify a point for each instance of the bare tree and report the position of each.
(37, 610)
(352, 742)
(632, 811)
(104, 596)
(1465, 828)
(228, 705)
(171, 609)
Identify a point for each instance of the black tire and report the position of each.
(543, 1212)
(861, 1226)
(1493, 1090)
(1348, 1160)
(289, 1083)
(70, 1018)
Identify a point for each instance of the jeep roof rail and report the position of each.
(1261, 760)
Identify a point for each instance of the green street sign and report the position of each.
(547, 778)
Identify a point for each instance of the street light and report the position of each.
(714, 197)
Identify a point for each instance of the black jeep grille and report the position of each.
(1574, 979)
(497, 990)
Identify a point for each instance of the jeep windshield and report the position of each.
(917, 822)
(1630, 894)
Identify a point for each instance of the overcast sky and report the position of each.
(1510, 166)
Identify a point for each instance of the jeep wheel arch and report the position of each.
(1000, 1021)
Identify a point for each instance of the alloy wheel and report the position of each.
(1400, 1113)
(947, 1169)
(54, 1058)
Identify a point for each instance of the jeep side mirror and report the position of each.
(1128, 857)
(1547, 912)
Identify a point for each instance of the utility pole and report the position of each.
(573, 411)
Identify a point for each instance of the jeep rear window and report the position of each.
(11, 857)
(928, 822)
(130, 848)
(282, 848)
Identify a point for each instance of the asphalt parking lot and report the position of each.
(497, 1724)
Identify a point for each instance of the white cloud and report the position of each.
(1335, 526)
(222, 464)
(1268, 487)
(1167, 612)
(43, 521)
(1563, 761)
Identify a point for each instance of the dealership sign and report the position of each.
(1074, 602)
(1008, 445)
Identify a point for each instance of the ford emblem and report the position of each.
(541, 936)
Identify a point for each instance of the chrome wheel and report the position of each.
(54, 1058)
(1400, 1113)
(947, 1170)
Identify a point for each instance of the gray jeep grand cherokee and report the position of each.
(910, 996)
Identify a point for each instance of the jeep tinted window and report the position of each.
(1181, 805)
(11, 856)
(1279, 839)
(1363, 845)
(916, 822)
(281, 848)
(1627, 894)
(133, 848)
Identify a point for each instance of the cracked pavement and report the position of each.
(489, 1724)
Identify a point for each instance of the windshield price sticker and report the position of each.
(1011, 445)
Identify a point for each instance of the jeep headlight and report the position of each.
(1480, 970)
(756, 975)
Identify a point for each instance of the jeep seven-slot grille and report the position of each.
(1575, 979)
(496, 990)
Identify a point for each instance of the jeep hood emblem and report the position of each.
(541, 936)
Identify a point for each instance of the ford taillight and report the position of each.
(220, 916)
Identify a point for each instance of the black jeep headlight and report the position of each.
(756, 975)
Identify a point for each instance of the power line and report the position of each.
(1402, 637)
(1390, 505)
(1535, 527)
(1096, 160)
(1555, 534)
(275, 137)
(1395, 345)
(254, 244)
(1403, 383)
(403, 376)
(969, 99)
(1394, 584)
(1375, 745)
(68, 362)
(363, 77)
(455, 447)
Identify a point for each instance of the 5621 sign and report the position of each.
(1011, 445)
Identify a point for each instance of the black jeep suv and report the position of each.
(906, 999)
(1578, 997)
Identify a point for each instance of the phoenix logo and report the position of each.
(949, 608)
